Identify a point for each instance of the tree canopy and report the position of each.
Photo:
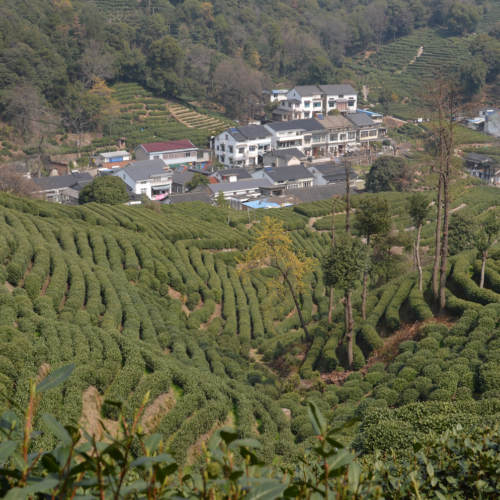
(384, 172)
(109, 190)
(197, 180)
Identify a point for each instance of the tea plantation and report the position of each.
(152, 302)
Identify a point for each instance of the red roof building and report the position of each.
(160, 147)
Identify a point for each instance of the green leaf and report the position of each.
(430, 470)
(339, 459)
(247, 443)
(56, 378)
(317, 420)
(6, 450)
(57, 429)
(353, 475)
(228, 437)
(9, 422)
(267, 491)
(153, 441)
(150, 460)
(292, 491)
(163, 473)
(417, 447)
(440, 495)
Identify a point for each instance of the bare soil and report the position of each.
(157, 410)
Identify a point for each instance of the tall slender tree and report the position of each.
(342, 267)
(418, 210)
(330, 308)
(371, 217)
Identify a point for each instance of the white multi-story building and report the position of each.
(151, 178)
(306, 101)
(242, 146)
(309, 135)
(173, 153)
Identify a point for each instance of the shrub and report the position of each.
(377, 367)
(14, 273)
(407, 374)
(374, 378)
(371, 337)
(440, 395)
(346, 393)
(408, 396)
(428, 343)
(399, 385)
(390, 395)
(463, 394)
(407, 346)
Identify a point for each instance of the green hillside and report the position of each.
(142, 301)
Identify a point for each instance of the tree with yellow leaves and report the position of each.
(275, 249)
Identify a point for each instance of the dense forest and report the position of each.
(52, 52)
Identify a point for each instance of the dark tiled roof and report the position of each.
(318, 193)
(287, 153)
(281, 111)
(307, 124)
(305, 90)
(290, 173)
(241, 173)
(477, 157)
(182, 177)
(199, 196)
(144, 170)
(63, 181)
(337, 89)
(239, 185)
(360, 119)
(249, 132)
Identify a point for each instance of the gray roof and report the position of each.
(72, 193)
(237, 186)
(63, 181)
(307, 124)
(478, 157)
(241, 173)
(360, 119)
(337, 89)
(281, 111)
(286, 153)
(182, 177)
(330, 168)
(290, 173)
(305, 90)
(318, 193)
(181, 198)
(144, 170)
(249, 132)
(294, 101)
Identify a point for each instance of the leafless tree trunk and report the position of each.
(330, 308)
(350, 330)
(297, 305)
(483, 266)
(348, 197)
(417, 256)
(365, 285)
(435, 284)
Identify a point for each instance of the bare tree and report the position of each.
(378, 20)
(96, 63)
(446, 99)
(13, 183)
(24, 108)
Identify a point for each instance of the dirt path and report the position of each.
(419, 53)
(157, 410)
(365, 92)
(217, 314)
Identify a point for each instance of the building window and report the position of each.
(292, 186)
(217, 148)
(319, 138)
(230, 149)
(317, 105)
(231, 161)
(289, 144)
(350, 103)
(334, 137)
(364, 134)
(241, 151)
(306, 184)
(373, 133)
(307, 114)
(289, 104)
(341, 96)
(227, 137)
(307, 140)
(187, 153)
(351, 135)
(307, 104)
(342, 137)
(331, 104)
(222, 159)
(223, 148)
(251, 148)
(157, 157)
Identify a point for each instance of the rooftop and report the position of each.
(241, 173)
(360, 119)
(478, 157)
(287, 153)
(63, 181)
(338, 89)
(182, 177)
(335, 122)
(239, 185)
(248, 132)
(156, 147)
(187, 197)
(290, 173)
(144, 170)
(114, 154)
(307, 125)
